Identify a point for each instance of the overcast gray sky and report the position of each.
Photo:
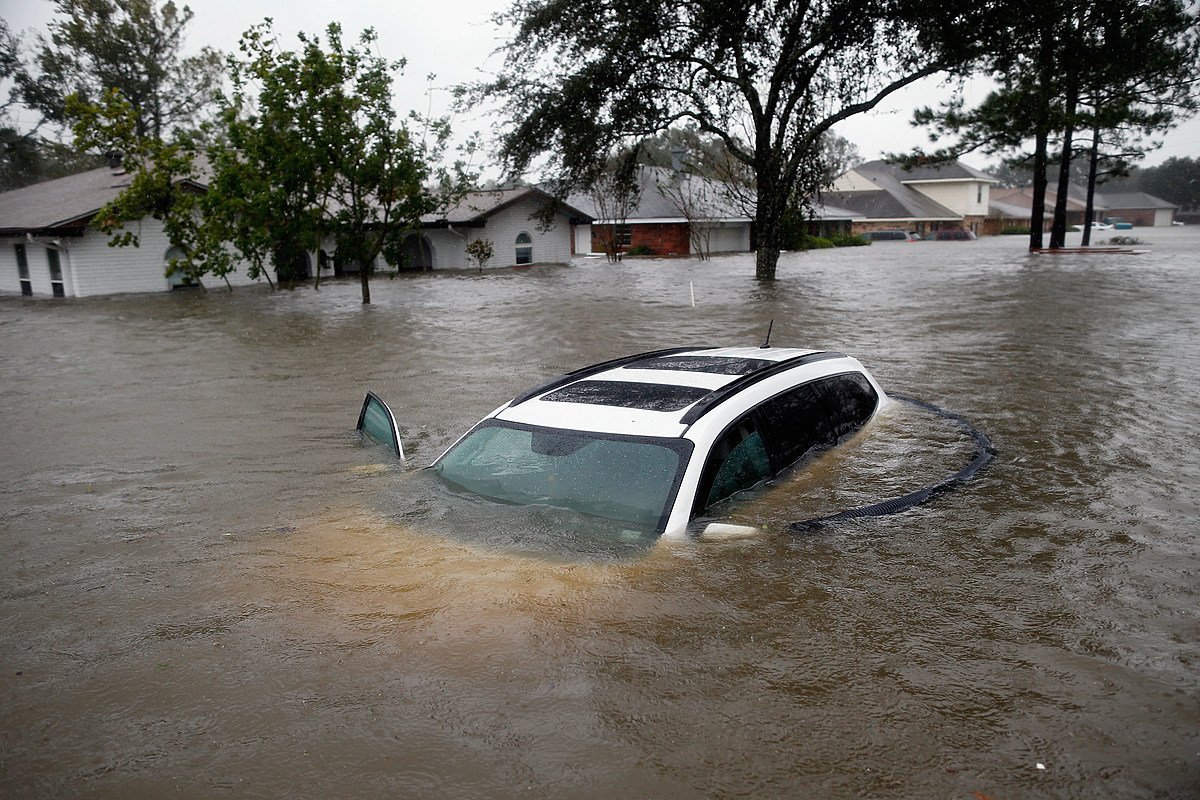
(455, 39)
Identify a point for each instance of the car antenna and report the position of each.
(767, 343)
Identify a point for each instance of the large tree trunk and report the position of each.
(364, 275)
(768, 219)
(1093, 168)
(1058, 230)
(766, 257)
(1037, 211)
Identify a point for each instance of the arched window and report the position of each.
(524, 248)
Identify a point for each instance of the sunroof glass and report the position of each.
(643, 396)
(719, 365)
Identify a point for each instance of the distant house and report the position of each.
(511, 219)
(1139, 208)
(921, 199)
(1012, 207)
(671, 205)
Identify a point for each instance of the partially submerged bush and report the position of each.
(639, 250)
(1124, 240)
(849, 240)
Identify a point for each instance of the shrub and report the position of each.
(1124, 240)
(849, 240)
(639, 250)
(815, 243)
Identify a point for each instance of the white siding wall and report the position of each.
(549, 247)
(91, 267)
(39, 268)
(959, 197)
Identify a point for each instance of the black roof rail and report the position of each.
(563, 380)
(718, 396)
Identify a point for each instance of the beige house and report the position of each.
(921, 199)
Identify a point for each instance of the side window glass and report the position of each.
(378, 424)
(849, 400)
(794, 423)
(738, 461)
(816, 415)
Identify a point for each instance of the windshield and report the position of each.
(625, 478)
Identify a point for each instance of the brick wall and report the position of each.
(663, 239)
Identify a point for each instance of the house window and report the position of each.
(979, 193)
(56, 278)
(177, 276)
(524, 248)
(623, 235)
(23, 269)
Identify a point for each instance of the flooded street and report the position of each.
(210, 588)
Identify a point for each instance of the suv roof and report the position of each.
(660, 393)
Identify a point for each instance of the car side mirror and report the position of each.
(377, 423)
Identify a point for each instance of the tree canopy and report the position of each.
(309, 152)
(767, 79)
(1120, 70)
(131, 46)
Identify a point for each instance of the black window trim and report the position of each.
(683, 447)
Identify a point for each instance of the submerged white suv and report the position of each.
(656, 439)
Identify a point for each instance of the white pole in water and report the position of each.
(692, 289)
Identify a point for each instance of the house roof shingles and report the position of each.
(949, 171)
(1132, 200)
(475, 207)
(60, 203)
(711, 199)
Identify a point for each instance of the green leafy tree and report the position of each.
(309, 150)
(25, 157)
(133, 47)
(768, 79)
(1120, 70)
(164, 185)
(1176, 180)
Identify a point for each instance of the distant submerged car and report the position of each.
(891, 235)
(951, 235)
(657, 439)
(1096, 226)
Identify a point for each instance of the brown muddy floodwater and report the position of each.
(209, 588)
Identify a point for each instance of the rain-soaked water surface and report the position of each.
(210, 588)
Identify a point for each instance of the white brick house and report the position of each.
(48, 247)
(509, 219)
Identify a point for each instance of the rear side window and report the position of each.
(816, 415)
(781, 430)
